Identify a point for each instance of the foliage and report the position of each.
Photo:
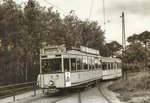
(136, 86)
(24, 30)
(113, 47)
(137, 52)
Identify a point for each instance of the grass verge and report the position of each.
(133, 90)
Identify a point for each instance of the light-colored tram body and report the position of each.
(61, 68)
(111, 68)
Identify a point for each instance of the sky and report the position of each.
(137, 14)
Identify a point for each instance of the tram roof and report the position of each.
(108, 59)
(62, 50)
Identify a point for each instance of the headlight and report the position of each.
(51, 83)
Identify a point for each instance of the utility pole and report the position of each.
(124, 71)
(104, 15)
(123, 32)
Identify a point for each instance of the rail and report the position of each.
(14, 89)
(99, 88)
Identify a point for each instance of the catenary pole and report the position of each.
(124, 71)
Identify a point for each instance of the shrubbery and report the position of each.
(132, 87)
(142, 83)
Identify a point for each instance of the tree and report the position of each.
(34, 36)
(78, 32)
(144, 37)
(133, 38)
(137, 52)
(72, 26)
(113, 47)
(10, 36)
(54, 28)
(23, 31)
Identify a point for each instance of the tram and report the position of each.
(61, 68)
(111, 68)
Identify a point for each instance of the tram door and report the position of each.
(115, 68)
(67, 79)
(67, 72)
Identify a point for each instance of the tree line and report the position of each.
(24, 30)
(137, 53)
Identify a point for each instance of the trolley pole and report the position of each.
(124, 46)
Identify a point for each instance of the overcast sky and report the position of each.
(137, 14)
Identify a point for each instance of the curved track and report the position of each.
(90, 95)
(99, 88)
(78, 96)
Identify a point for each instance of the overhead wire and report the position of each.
(91, 9)
(56, 7)
(111, 20)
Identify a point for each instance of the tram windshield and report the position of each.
(51, 65)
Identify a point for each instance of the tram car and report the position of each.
(111, 68)
(61, 68)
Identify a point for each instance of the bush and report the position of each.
(134, 86)
(130, 85)
(145, 81)
(124, 85)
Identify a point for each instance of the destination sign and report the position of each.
(89, 50)
(53, 49)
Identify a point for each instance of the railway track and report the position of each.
(99, 88)
(81, 93)
(78, 95)
(91, 95)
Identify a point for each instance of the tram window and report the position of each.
(85, 64)
(79, 64)
(108, 65)
(57, 64)
(112, 66)
(117, 65)
(73, 64)
(104, 65)
(51, 65)
(90, 62)
(100, 66)
(96, 64)
(93, 62)
(66, 64)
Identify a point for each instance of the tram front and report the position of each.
(52, 76)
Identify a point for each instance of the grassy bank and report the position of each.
(136, 89)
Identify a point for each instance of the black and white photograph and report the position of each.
(74, 51)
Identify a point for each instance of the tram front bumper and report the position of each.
(50, 89)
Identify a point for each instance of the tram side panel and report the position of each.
(119, 72)
(108, 74)
(111, 69)
(79, 67)
(85, 76)
(119, 69)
